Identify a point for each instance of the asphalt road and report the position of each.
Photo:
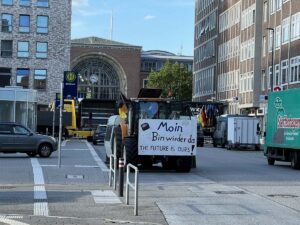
(227, 187)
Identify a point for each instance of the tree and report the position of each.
(175, 80)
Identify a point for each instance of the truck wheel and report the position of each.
(271, 161)
(45, 150)
(184, 164)
(130, 151)
(117, 141)
(295, 160)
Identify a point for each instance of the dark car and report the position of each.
(17, 138)
(200, 136)
(99, 134)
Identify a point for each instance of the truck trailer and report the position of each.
(283, 127)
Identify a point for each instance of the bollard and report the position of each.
(121, 177)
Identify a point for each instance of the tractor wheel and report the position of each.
(184, 164)
(130, 151)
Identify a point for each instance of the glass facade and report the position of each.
(18, 105)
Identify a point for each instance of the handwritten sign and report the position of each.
(167, 137)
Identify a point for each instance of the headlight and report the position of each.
(53, 139)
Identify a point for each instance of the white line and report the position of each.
(100, 163)
(6, 220)
(64, 143)
(76, 149)
(40, 194)
(71, 166)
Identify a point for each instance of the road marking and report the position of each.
(99, 162)
(64, 143)
(75, 149)
(105, 197)
(40, 194)
(71, 166)
(8, 220)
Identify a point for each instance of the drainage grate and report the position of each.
(230, 192)
(6, 187)
(283, 196)
(77, 177)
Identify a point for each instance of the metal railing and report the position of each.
(112, 170)
(133, 186)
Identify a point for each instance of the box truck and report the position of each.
(283, 123)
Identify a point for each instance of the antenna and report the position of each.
(111, 24)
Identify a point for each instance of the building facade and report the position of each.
(205, 50)
(105, 68)
(237, 59)
(281, 43)
(35, 40)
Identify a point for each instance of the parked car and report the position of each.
(99, 134)
(18, 138)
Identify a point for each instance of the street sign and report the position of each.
(70, 85)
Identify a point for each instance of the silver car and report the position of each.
(17, 138)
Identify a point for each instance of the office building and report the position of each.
(35, 45)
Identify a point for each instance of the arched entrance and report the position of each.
(98, 78)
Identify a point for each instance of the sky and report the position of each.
(166, 25)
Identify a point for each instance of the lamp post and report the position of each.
(273, 46)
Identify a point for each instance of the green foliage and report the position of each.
(174, 79)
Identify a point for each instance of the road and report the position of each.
(227, 187)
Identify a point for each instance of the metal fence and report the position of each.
(134, 186)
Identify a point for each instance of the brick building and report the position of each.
(105, 68)
(35, 39)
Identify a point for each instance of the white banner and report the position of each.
(167, 137)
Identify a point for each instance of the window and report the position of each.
(265, 11)
(295, 70)
(6, 22)
(145, 82)
(270, 40)
(295, 29)
(40, 79)
(278, 37)
(41, 49)
(24, 2)
(285, 30)
(42, 24)
(23, 49)
(7, 2)
(264, 44)
(42, 3)
(23, 77)
(24, 23)
(5, 129)
(6, 48)
(20, 130)
(284, 71)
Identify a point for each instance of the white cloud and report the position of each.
(149, 17)
(80, 3)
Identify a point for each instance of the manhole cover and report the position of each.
(230, 192)
(78, 177)
(283, 196)
(6, 187)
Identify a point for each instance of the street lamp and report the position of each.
(273, 45)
